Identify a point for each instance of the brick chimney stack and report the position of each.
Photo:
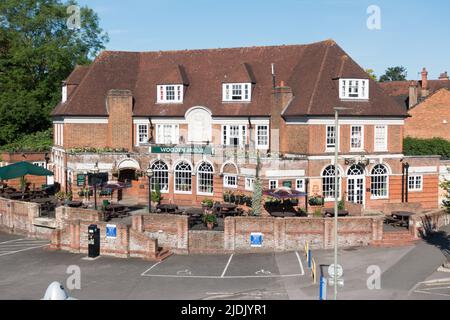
(281, 97)
(413, 94)
(425, 90)
(444, 76)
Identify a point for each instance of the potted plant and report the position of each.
(156, 195)
(210, 220)
(226, 196)
(207, 203)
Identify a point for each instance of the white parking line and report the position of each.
(22, 244)
(226, 267)
(144, 273)
(12, 240)
(225, 277)
(17, 251)
(300, 263)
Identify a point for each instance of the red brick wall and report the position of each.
(85, 135)
(427, 117)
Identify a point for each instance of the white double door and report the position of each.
(355, 189)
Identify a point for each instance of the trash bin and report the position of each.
(93, 241)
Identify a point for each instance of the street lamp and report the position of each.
(47, 159)
(95, 172)
(336, 188)
(149, 175)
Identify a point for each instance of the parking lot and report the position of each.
(27, 268)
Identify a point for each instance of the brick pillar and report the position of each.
(183, 233)
(279, 234)
(75, 236)
(377, 229)
(137, 223)
(125, 239)
(328, 233)
(55, 240)
(229, 233)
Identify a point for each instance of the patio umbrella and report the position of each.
(20, 169)
(284, 193)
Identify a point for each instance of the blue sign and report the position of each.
(323, 288)
(111, 231)
(256, 239)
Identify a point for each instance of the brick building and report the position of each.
(37, 158)
(201, 119)
(427, 102)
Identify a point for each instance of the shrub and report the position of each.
(317, 213)
(426, 147)
(207, 203)
(316, 201)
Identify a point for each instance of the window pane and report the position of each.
(331, 136)
(205, 178)
(160, 176)
(183, 177)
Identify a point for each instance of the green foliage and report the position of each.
(423, 147)
(341, 205)
(316, 201)
(394, 74)
(317, 213)
(446, 186)
(257, 200)
(96, 150)
(208, 203)
(35, 142)
(371, 74)
(37, 52)
(156, 195)
(23, 183)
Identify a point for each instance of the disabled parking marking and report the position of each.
(262, 273)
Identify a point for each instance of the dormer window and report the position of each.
(172, 93)
(354, 89)
(236, 92)
(64, 93)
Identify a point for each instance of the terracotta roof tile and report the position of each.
(308, 69)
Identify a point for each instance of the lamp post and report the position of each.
(47, 159)
(336, 189)
(95, 172)
(149, 175)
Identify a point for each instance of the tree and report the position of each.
(394, 74)
(371, 74)
(37, 52)
(257, 201)
(446, 186)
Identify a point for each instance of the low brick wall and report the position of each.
(287, 234)
(206, 242)
(424, 223)
(170, 230)
(73, 237)
(19, 217)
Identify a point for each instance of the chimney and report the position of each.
(425, 90)
(119, 104)
(443, 76)
(281, 97)
(413, 94)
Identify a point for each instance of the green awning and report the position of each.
(20, 169)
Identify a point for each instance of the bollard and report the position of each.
(323, 288)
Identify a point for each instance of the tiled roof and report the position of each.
(310, 70)
(399, 90)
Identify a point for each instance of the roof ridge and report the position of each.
(328, 42)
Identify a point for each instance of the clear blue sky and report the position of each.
(413, 33)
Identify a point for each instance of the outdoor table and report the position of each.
(74, 204)
(403, 216)
(42, 200)
(114, 209)
(167, 208)
(330, 213)
(18, 195)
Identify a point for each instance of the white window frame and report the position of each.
(361, 140)
(303, 188)
(332, 183)
(225, 181)
(328, 148)
(377, 147)
(162, 90)
(182, 172)
(372, 176)
(242, 134)
(245, 88)
(415, 178)
(39, 164)
(161, 173)
(175, 134)
(275, 182)
(138, 129)
(200, 174)
(257, 144)
(346, 85)
(249, 184)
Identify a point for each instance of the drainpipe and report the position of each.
(406, 181)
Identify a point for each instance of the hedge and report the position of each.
(426, 147)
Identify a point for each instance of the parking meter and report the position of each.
(93, 241)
